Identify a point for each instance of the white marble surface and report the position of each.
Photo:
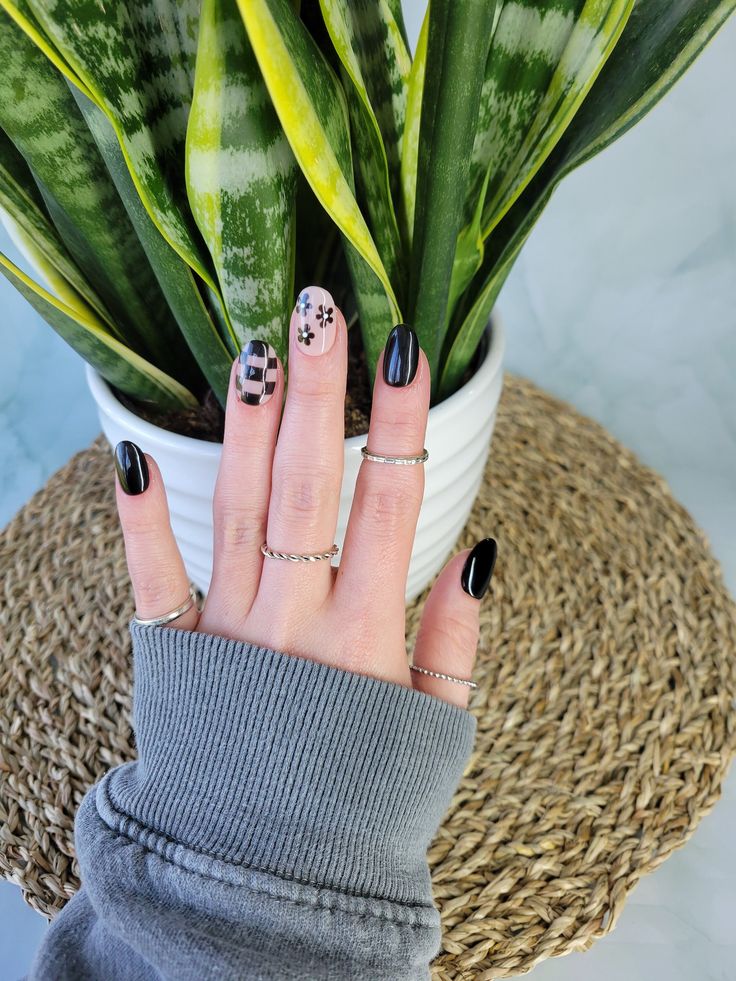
(623, 302)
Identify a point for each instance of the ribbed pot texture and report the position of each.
(458, 438)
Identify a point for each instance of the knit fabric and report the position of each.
(275, 824)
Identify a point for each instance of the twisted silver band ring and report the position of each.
(380, 458)
(445, 677)
(168, 617)
(298, 557)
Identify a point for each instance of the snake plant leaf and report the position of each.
(397, 14)
(112, 49)
(117, 363)
(410, 138)
(38, 113)
(241, 179)
(310, 103)
(23, 205)
(355, 30)
(660, 41)
(176, 278)
(369, 42)
(457, 49)
(26, 20)
(49, 275)
(528, 136)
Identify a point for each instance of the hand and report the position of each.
(282, 486)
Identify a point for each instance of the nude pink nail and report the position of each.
(314, 321)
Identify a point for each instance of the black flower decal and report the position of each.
(303, 304)
(324, 315)
(304, 334)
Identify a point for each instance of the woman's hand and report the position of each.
(282, 486)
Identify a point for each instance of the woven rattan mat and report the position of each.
(607, 672)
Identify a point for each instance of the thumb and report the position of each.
(448, 632)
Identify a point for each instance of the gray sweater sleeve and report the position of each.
(275, 823)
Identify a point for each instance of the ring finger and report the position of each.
(308, 463)
(387, 499)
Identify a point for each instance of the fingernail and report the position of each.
(401, 357)
(131, 467)
(314, 321)
(255, 378)
(478, 568)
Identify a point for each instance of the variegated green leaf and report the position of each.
(176, 278)
(544, 58)
(410, 139)
(26, 20)
(469, 254)
(660, 41)
(397, 14)
(311, 107)
(370, 44)
(23, 204)
(457, 49)
(121, 366)
(112, 48)
(241, 179)
(355, 30)
(38, 113)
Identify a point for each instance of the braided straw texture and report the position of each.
(605, 707)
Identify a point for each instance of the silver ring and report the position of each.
(168, 617)
(299, 556)
(380, 458)
(445, 677)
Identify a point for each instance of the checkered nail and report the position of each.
(257, 371)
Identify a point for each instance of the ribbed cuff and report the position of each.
(289, 766)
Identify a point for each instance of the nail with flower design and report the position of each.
(314, 321)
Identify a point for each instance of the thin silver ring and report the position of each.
(445, 677)
(168, 617)
(297, 556)
(380, 458)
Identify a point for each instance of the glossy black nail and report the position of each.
(478, 568)
(401, 357)
(132, 468)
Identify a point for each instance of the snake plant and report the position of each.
(172, 169)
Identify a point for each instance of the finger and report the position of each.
(308, 463)
(160, 582)
(447, 639)
(387, 498)
(243, 488)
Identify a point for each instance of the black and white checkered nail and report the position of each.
(257, 371)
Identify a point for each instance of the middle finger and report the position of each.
(308, 463)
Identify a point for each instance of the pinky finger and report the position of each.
(160, 582)
(448, 632)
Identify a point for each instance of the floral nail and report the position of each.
(255, 378)
(314, 320)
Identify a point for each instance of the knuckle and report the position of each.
(403, 429)
(156, 590)
(391, 506)
(303, 493)
(314, 392)
(237, 525)
(455, 633)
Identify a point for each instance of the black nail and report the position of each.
(132, 468)
(478, 568)
(401, 357)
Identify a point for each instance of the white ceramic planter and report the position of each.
(458, 438)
